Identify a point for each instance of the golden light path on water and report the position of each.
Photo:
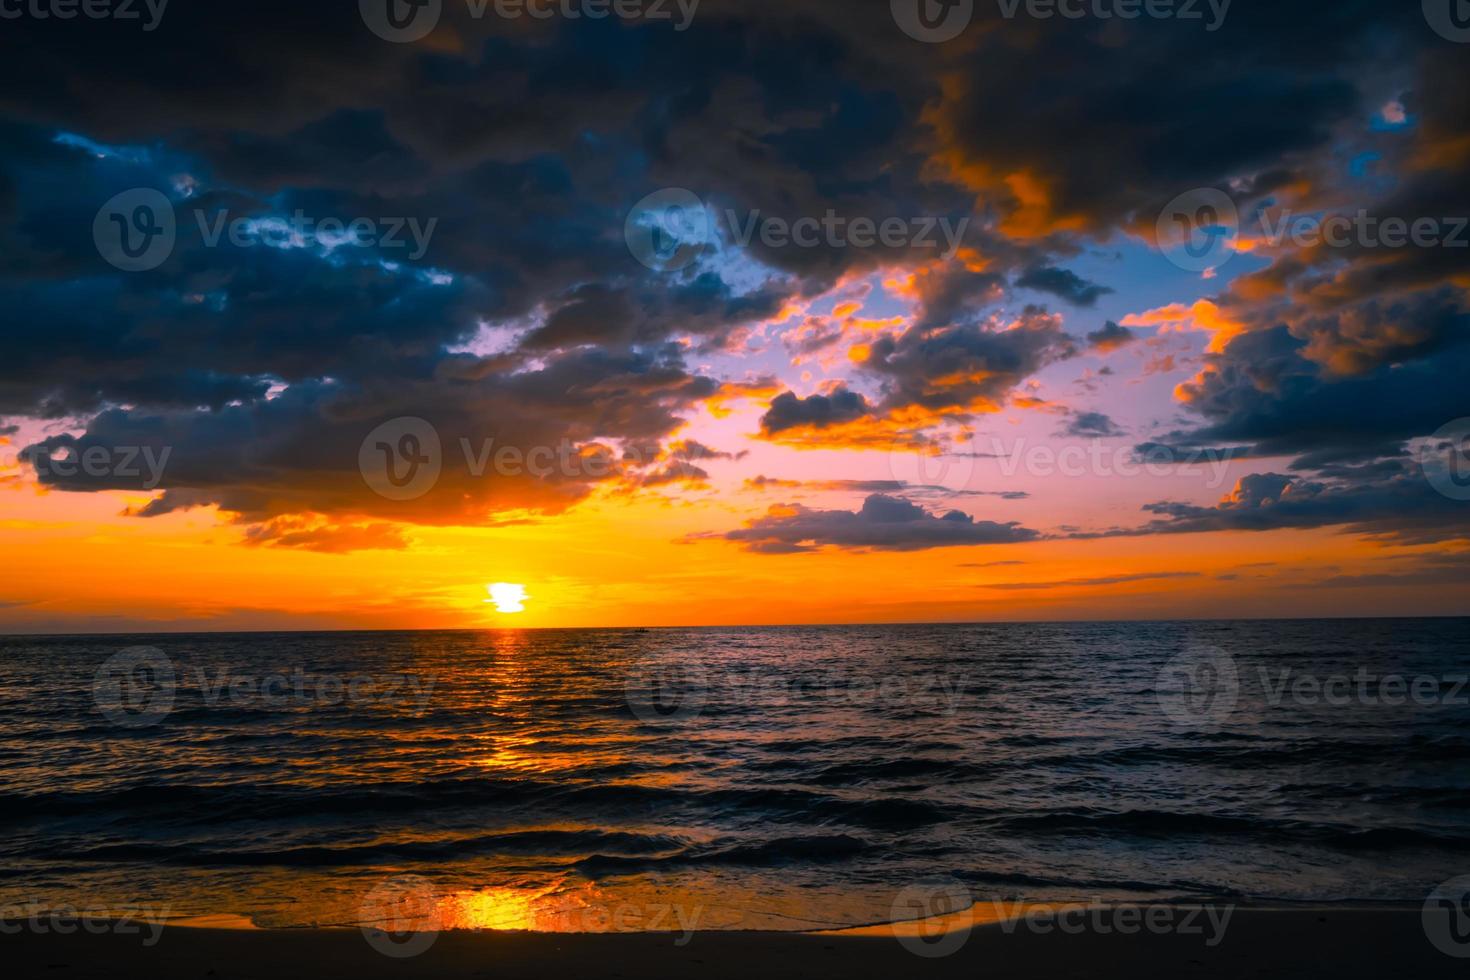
(412, 905)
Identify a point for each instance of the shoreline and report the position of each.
(973, 917)
(1300, 943)
(1006, 916)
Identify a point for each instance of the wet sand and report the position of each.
(1299, 944)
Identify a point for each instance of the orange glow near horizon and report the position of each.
(637, 562)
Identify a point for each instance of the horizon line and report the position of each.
(752, 626)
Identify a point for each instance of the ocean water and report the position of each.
(786, 778)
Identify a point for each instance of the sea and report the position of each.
(790, 778)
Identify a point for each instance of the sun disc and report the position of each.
(508, 597)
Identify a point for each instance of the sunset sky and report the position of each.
(747, 432)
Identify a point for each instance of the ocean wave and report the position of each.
(204, 804)
(546, 844)
(779, 852)
(1169, 823)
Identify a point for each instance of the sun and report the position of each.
(508, 597)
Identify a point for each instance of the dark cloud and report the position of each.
(680, 466)
(1083, 146)
(966, 368)
(1348, 350)
(675, 472)
(763, 482)
(882, 524)
(1404, 507)
(1158, 452)
(1265, 391)
(879, 486)
(1088, 582)
(927, 378)
(1090, 425)
(606, 315)
(330, 539)
(1063, 283)
(955, 293)
(1110, 337)
(298, 453)
(1415, 571)
(692, 449)
(788, 411)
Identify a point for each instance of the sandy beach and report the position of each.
(1333, 943)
